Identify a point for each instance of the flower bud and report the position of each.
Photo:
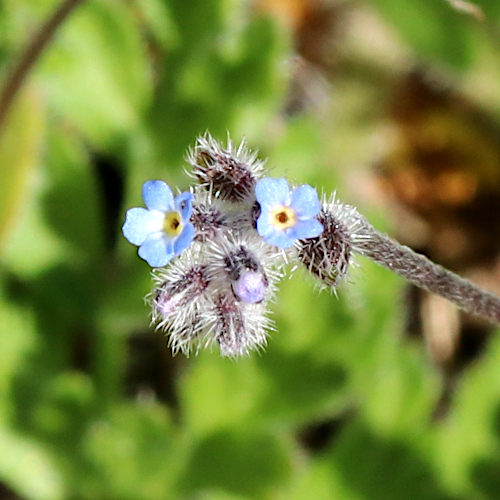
(178, 302)
(208, 220)
(249, 282)
(327, 256)
(238, 327)
(226, 174)
(250, 287)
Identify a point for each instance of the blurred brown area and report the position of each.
(318, 28)
(444, 168)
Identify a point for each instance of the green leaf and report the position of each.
(217, 392)
(132, 454)
(205, 86)
(467, 445)
(63, 410)
(18, 334)
(238, 461)
(301, 387)
(62, 221)
(71, 203)
(383, 468)
(95, 73)
(18, 455)
(158, 18)
(20, 147)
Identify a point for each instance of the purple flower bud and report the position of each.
(237, 261)
(251, 287)
(246, 274)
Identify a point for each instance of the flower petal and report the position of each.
(184, 239)
(140, 223)
(305, 201)
(280, 239)
(264, 226)
(184, 204)
(157, 250)
(272, 192)
(305, 229)
(157, 195)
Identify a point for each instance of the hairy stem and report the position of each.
(32, 52)
(424, 273)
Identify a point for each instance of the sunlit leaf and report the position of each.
(20, 148)
(20, 454)
(95, 73)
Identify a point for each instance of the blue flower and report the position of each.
(286, 216)
(163, 230)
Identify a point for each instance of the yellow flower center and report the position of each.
(283, 217)
(172, 224)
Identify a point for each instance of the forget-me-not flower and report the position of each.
(163, 230)
(286, 216)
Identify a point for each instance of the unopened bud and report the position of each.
(239, 327)
(178, 302)
(165, 304)
(327, 255)
(251, 287)
(228, 174)
(208, 220)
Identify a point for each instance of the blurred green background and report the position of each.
(371, 395)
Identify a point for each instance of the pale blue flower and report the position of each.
(163, 230)
(286, 216)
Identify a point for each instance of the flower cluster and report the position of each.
(220, 249)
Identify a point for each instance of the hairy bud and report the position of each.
(178, 302)
(238, 327)
(208, 220)
(328, 255)
(251, 287)
(227, 174)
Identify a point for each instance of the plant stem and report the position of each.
(424, 273)
(32, 52)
